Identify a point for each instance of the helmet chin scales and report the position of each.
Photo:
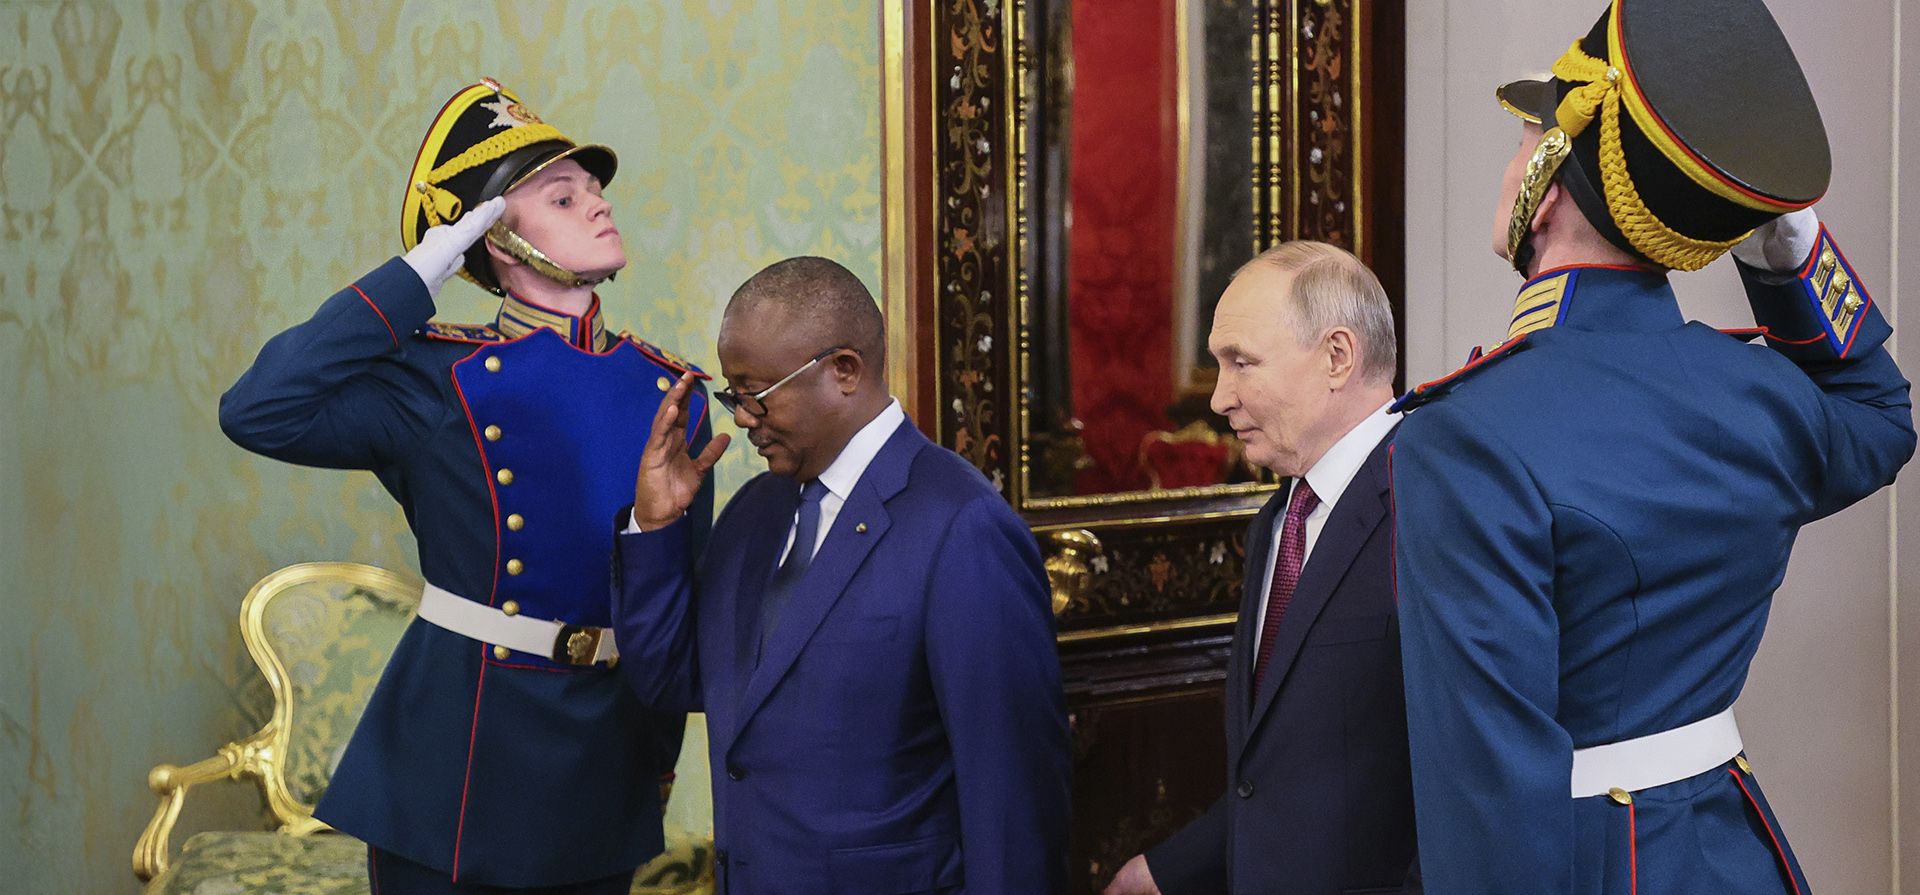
(523, 251)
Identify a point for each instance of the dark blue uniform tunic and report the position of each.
(1591, 524)
(510, 447)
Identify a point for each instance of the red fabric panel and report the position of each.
(1187, 465)
(1123, 166)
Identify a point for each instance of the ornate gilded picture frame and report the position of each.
(967, 254)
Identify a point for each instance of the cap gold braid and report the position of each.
(441, 205)
(1599, 93)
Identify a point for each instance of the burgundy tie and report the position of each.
(1287, 558)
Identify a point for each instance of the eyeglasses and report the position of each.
(756, 403)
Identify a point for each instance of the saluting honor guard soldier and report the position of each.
(1593, 517)
(500, 750)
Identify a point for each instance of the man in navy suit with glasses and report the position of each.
(868, 629)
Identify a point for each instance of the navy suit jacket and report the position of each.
(1319, 800)
(904, 729)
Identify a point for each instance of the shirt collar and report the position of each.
(845, 470)
(518, 317)
(1336, 468)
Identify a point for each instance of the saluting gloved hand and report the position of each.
(1783, 244)
(443, 249)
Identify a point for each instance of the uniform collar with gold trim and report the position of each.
(519, 317)
(1588, 297)
(1595, 297)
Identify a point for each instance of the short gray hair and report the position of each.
(1333, 288)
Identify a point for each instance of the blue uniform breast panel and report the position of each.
(554, 508)
(507, 773)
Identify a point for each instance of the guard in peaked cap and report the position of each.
(1689, 124)
(1591, 519)
(501, 750)
(485, 142)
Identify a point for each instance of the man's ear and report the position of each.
(1550, 203)
(1342, 356)
(849, 367)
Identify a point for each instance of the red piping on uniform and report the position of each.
(1814, 257)
(586, 324)
(580, 320)
(1785, 865)
(383, 316)
(1626, 67)
(373, 868)
(493, 495)
(1502, 349)
(1633, 853)
(1773, 338)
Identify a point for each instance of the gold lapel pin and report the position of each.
(861, 528)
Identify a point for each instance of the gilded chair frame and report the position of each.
(260, 756)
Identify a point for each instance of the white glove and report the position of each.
(1783, 244)
(443, 249)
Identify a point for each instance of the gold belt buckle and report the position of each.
(577, 644)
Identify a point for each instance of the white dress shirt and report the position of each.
(845, 472)
(1329, 478)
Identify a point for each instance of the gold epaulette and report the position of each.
(1421, 394)
(665, 358)
(473, 333)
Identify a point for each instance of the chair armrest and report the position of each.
(153, 851)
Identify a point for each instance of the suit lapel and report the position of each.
(1246, 634)
(840, 556)
(1351, 521)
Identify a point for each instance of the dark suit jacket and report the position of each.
(1318, 800)
(904, 730)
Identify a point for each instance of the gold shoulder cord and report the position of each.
(1599, 94)
(1547, 158)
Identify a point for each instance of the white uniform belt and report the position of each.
(1657, 759)
(561, 642)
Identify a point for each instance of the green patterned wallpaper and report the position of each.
(179, 179)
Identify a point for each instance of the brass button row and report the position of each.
(515, 521)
